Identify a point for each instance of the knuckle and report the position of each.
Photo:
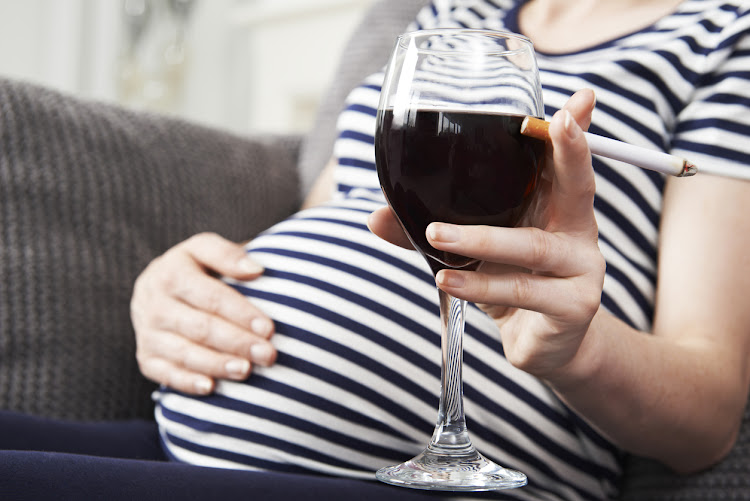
(176, 380)
(585, 303)
(189, 356)
(203, 362)
(174, 283)
(588, 190)
(539, 246)
(199, 328)
(479, 237)
(522, 289)
(590, 303)
(152, 313)
(601, 264)
(591, 296)
(483, 287)
(184, 286)
(159, 318)
(162, 274)
(520, 358)
(213, 299)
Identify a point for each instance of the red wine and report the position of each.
(457, 167)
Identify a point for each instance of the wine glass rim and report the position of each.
(470, 31)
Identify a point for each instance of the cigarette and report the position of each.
(616, 150)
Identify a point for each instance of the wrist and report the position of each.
(587, 364)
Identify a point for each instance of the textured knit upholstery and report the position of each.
(90, 193)
(730, 479)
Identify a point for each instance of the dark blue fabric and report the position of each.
(38, 476)
(43, 459)
(136, 439)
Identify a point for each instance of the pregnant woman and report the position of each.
(618, 325)
(566, 367)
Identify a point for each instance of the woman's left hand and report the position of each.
(542, 282)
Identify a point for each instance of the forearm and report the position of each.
(677, 402)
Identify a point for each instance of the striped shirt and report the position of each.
(356, 383)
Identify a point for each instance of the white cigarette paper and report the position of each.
(617, 150)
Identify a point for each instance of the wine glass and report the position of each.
(448, 148)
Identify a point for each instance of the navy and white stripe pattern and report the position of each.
(357, 379)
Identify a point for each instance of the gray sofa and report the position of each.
(90, 193)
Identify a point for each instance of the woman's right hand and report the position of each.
(191, 327)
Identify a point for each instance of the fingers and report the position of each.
(221, 256)
(165, 372)
(217, 333)
(383, 223)
(197, 346)
(185, 280)
(527, 291)
(529, 248)
(528, 268)
(190, 326)
(190, 367)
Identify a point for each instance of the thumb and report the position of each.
(581, 105)
(574, 187)
(383, 223)
(222, 256)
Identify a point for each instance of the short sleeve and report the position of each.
(713, 130)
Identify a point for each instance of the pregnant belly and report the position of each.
(356, 383)
(357, 375)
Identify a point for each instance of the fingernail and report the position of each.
(261, 326)
(441, 232)
(449, 279)
(261, 353)
(237, 367)
(571, 127)
(202, 386)
(249, 266)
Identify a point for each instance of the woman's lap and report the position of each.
(132, 439)
(49, 459)
(60, 476)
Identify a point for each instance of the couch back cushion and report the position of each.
(89, 194)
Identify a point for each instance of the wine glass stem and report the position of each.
(450, 435)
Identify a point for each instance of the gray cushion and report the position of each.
(89, 194)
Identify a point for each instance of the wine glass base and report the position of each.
(432, 470)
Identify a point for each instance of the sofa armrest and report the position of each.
(89, 194)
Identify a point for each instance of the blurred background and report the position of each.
(241, 65)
